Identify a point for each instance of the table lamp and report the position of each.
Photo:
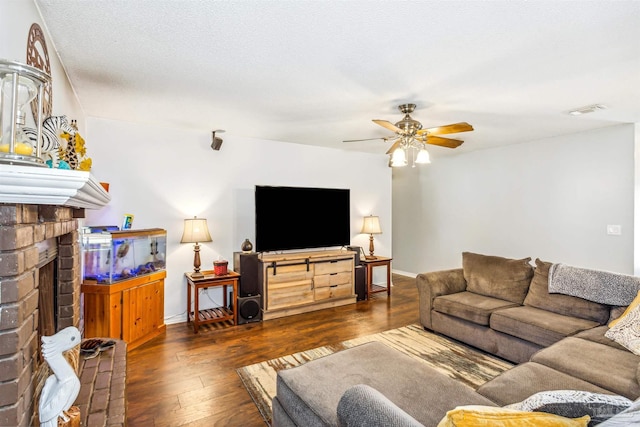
(371, 226)
(196, 231)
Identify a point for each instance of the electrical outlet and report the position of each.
(614, 230)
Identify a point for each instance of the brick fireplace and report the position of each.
(39, 264)
(22, 229)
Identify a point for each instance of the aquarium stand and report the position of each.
(131, 310)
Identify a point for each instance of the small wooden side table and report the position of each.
(371, 264)
(216, 314)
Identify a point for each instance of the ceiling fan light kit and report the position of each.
(398, 158)
(423, 157)
(412, 139)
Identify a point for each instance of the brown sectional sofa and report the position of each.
(558, 340)
(499, 305)
(512, 320)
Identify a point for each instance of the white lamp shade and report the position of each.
(423, 156)
(195, 230)
(398, 158)
(371, 225)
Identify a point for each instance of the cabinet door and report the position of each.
(142, 310)
(291, 285)
(102, 315)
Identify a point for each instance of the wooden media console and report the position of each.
(300, 282)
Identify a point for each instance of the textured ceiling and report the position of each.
(318, 72)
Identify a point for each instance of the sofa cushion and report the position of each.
(597, 335)
(477, 416)
(310, 393)
(605, 366)
(493, 276)
(538, 326)
(634, 304)
(470, 306)
(522, 381)
(539, 297)
(617, 313)
(575, 403)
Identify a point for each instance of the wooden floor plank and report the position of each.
(182, 378)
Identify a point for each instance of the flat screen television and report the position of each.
(301, 218)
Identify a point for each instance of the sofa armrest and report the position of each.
(433, 284)
(364, 406)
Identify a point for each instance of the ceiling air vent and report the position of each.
(587, 109)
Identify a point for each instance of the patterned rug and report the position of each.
(470, 366)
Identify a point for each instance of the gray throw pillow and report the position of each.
(364, 406)
(628, 417)
(575, 403)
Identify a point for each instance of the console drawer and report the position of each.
(333, 267)
(335, 291)
(332, 279)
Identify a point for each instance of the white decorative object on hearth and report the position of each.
(60, 389)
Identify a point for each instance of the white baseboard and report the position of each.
(404, 273)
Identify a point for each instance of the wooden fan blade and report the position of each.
(388, 125)
(394, 146)
(444, 142)
(443, 130)
(367, 139)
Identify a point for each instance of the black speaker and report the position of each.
(356, 249)
(248, 266)
(361, 283)
(249, 309)
(216, 142)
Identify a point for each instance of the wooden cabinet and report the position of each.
(306, 281)
(131, 310)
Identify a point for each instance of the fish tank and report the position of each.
(110, 256)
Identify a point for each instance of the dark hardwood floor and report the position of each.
(182, 378)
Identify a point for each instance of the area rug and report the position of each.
(456, 360)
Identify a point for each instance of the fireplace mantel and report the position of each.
(35, 185)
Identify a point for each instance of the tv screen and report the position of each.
(301, 218)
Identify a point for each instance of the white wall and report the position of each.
(636, 245)
(550, 199)
(16, 17)
(164, 175)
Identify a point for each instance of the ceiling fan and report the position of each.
(411, 137)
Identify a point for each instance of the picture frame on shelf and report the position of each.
(127, 222)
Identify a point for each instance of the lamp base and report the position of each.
(196, 263)
(370, 257)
